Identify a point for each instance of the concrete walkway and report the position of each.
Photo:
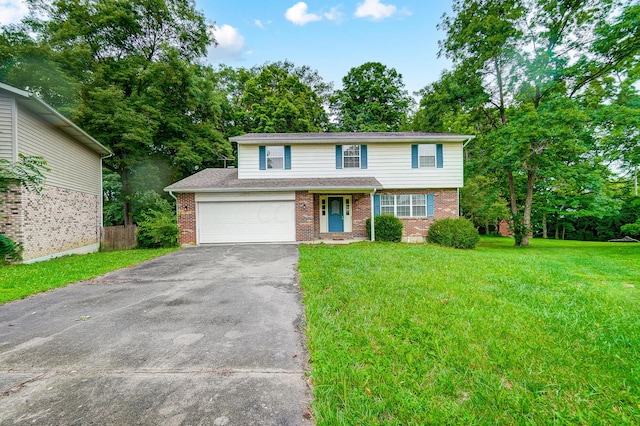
(203, 336)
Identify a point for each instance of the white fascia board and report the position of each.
(336, 189)
(352, 139)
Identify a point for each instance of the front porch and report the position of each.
(340, 216)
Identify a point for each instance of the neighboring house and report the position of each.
(322, 186)
(67, 216)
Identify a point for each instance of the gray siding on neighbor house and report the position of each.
(6, 127)
(73, 166)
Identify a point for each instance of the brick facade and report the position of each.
(55, 221)
(307, 214)
(445, 205)
(186, 211)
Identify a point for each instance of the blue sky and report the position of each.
(332, 36)
(329, 36)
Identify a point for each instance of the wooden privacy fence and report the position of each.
(118, 238)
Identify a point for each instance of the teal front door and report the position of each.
(336, 216)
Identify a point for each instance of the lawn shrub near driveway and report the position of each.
(20, 281)
(411, 335)
(457, 233)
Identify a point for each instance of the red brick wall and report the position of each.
(361, 211)
(306, 214)
(186, 209)
(445, 205)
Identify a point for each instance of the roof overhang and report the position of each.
(353, 137)
(53, 117)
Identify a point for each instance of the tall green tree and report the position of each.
(275, 98)
(142, 91)
(372, 99)
(534, 60)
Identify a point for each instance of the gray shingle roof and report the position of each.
(253, 138)
(226, 180)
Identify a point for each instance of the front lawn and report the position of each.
(20, 281)
(418, 334)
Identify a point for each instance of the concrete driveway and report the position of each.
(204, 336)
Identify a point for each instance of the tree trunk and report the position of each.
(528, 202)
(544, 225)
(126, 198)
(486, 226)
(512, 193)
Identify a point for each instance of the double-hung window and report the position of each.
(351, 156)
(407, 205)
(427, 155)
(274, 157)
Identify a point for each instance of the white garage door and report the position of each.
(246, 221)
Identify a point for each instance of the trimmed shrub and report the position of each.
(457, 233)
(388, 228)
(10, 251)
(157, 227)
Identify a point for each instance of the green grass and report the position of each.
(418, 334)
(20, 281)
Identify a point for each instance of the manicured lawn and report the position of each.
(20, 281)
(413, 334)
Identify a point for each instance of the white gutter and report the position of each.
(464, 145)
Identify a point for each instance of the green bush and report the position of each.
(457, 233)
(157, 227)
(631, 229)
(387, 228)
(10, 251)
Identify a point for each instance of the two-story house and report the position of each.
(322, 186)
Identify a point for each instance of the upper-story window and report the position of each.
(275, 157)
(351, 156)
(426, 156)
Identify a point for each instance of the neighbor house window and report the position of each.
(275, 157)
(351, 156)
(407, 205)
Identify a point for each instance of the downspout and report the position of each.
(373, 216)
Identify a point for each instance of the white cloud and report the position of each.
(230, 44)
(376, 10)
(299, 16)
(258, 23)
(12, 11)
(334, 15)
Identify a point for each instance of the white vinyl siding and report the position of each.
(390, 163)
(73, 166)
(6, 128)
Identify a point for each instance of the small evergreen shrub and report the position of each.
(10, 251)
(387, 228)
(457, 233)
(157, 226)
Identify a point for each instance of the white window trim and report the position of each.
(421, 153)
(344, 157)
(266, 154)
(411, 205)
